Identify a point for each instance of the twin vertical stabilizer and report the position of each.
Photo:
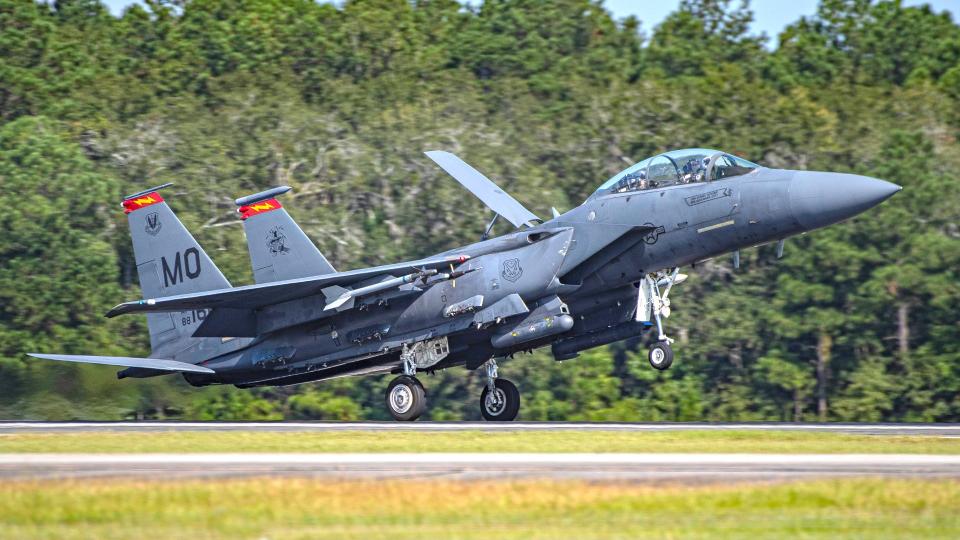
(170, 262)
(279, 249)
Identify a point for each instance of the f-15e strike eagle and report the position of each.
(600, 273)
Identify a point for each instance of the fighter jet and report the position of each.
(599, 273)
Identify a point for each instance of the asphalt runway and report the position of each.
(642, 468)
(941, 430)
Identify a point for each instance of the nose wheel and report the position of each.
(406, 398)
(660, 355)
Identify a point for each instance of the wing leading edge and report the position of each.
(251, 297)
(497, 199)
(125, 361)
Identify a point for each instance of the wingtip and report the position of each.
(119, 309)
(42, 356)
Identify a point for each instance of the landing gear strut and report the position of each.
(650, 301)
(406, 398)
(500, 399)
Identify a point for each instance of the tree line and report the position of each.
(858, 321)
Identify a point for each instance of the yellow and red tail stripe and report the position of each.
(258, 208)
(141, 201)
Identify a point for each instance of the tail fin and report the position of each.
(279, 249)
(169, 262)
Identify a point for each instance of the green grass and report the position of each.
(290, 508)
(479, 441)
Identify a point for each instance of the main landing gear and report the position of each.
(406, 398)
(500, 399)
(650, 301)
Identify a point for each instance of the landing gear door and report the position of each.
(643, 302)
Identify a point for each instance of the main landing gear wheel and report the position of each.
(660, 355)
(502, 403)
(406, 398)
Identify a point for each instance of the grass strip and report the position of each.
(294, 508)
(478, 441)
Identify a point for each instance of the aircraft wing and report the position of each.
(252, 297)
(498, 200)
(149, 363)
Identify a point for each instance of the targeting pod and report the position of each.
(549, 319)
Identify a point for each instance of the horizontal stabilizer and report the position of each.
(149, 363)
(497, 199)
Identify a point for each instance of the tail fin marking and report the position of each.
(169, 262)
(279, 249)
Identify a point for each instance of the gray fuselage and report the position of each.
(589, 258)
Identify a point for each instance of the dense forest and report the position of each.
(857, 322)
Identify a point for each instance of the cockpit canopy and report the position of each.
(685, 166)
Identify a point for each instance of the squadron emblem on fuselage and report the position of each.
(511, 270)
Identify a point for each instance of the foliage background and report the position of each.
(858, 322)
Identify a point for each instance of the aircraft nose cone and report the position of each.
(818, 199)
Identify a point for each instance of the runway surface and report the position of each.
(691, 468)
(942, 430)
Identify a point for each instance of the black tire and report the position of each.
(406, 399)
(506, 407)
(660, 355)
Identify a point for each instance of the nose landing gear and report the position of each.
(651, 302)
